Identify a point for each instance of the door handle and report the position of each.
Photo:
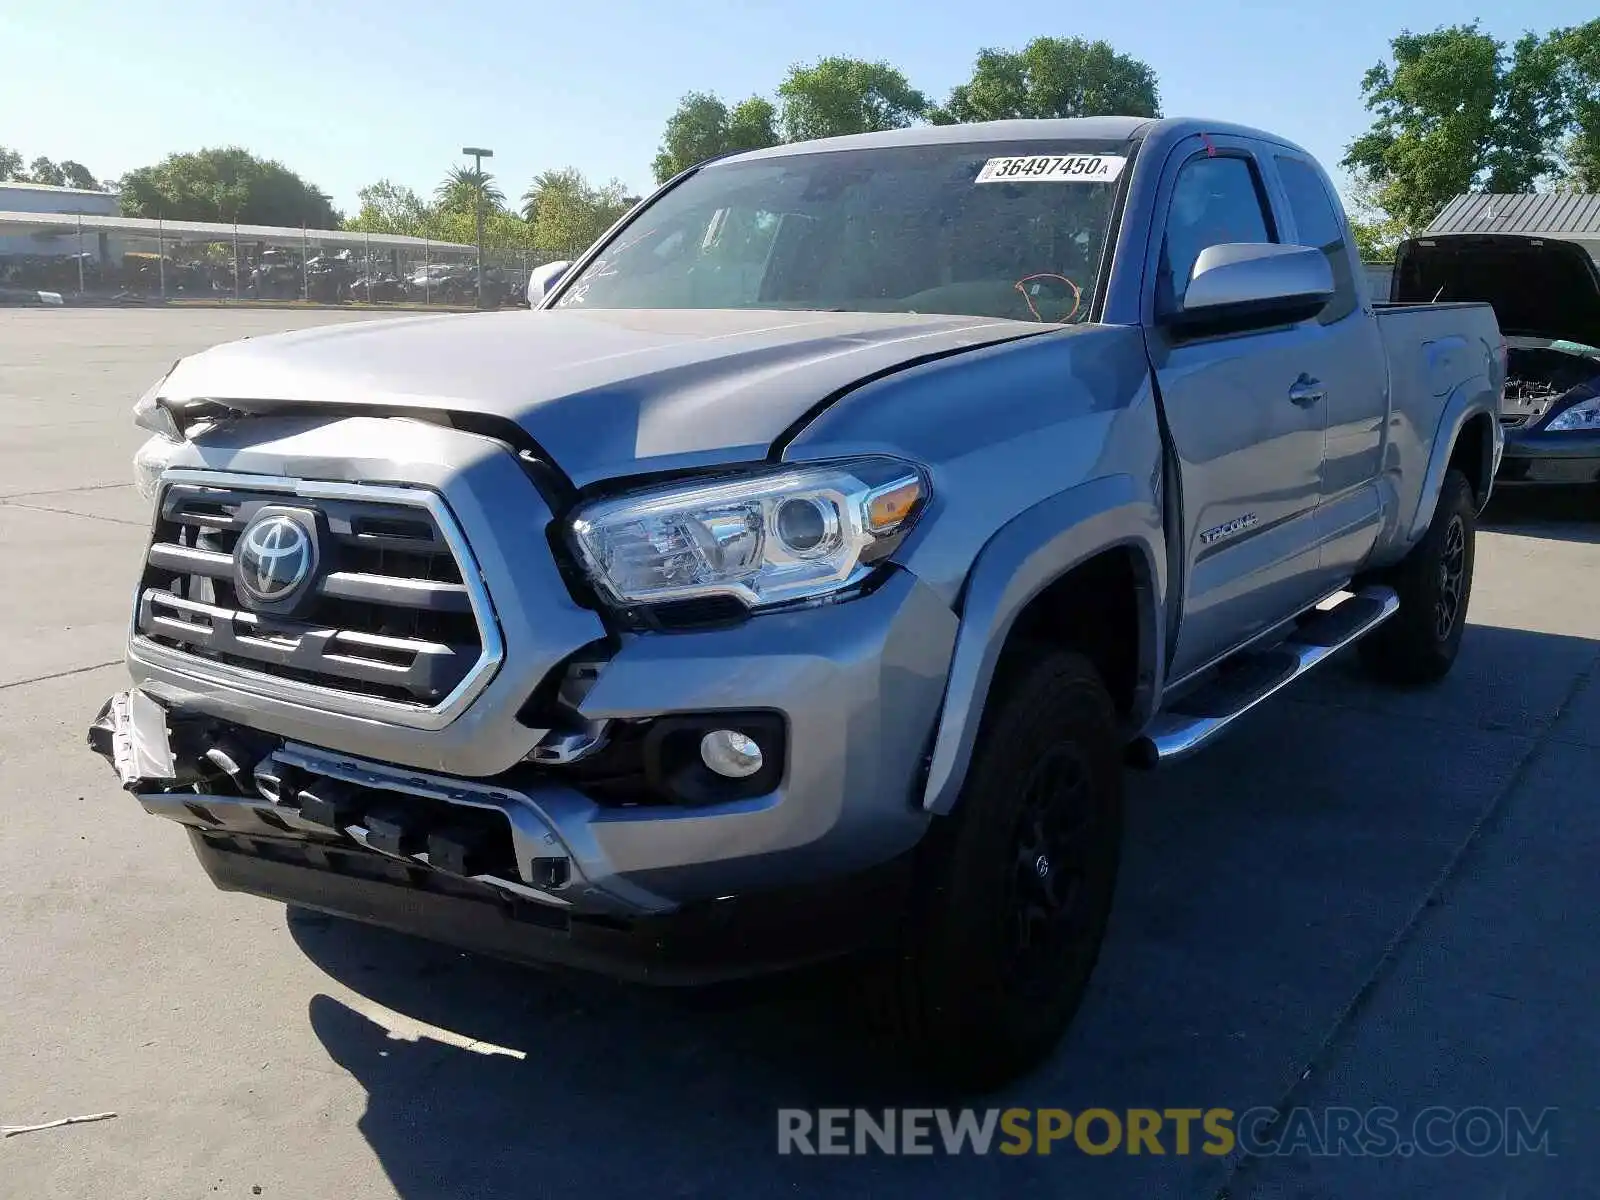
(1307, 391)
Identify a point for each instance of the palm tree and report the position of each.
(550, 185)
(464, 185)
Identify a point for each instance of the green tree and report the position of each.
(1053, 77)
(463, 185)
(225, 184)
(567, 213)
(704, 127)
(42, 170)
(1577, 51)
(1455, 113)
(846, 95)
(66, 173)
(1376, 233)
(562, 212)
(1531, 112)
(752, 125)
(502, 230)
(79, 176)
(388, 207)
(1372, 240)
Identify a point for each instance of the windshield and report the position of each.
(980, 229)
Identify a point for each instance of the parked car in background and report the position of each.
(380, 288)
(1546, 296)
(276, 275)
(21, 297)
(797, 580)
(328, 277)
(425, 280)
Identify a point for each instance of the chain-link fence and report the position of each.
(100, 261)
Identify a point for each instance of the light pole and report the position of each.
(478, 155)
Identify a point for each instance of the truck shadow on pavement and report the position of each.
(1566, 514)
(1262, 884)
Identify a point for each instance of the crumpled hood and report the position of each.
(603, 392)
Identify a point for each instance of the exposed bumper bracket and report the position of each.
(130, 732)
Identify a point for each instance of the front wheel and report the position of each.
(1419, 643)
(1017, 887)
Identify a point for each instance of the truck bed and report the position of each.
(1432, 351)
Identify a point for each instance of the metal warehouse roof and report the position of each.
(54, 189)
(211, 231)
(1573, 215)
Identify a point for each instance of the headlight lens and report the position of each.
(147, 414)
(767, 538)
(149, 461)
(1583, 415)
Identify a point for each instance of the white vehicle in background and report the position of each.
(29, 297)
(430, 275)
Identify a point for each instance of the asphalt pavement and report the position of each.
(1362, 899)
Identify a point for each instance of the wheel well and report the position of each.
(1473, 454)
(1092, 609)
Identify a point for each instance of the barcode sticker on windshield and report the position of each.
(1052, 168)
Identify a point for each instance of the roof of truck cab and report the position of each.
(1054, 129)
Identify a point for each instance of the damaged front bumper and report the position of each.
(481, 866)
(130, 733)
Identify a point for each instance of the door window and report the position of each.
(1215, 201)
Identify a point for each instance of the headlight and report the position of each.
(767, 538)
(149, 461)
(1585, 414)
(149, 414)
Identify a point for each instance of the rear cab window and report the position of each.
(1319, 224)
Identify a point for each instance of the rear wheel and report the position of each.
(1419, 643)
(1017, 887)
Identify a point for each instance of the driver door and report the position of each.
(1247, 436)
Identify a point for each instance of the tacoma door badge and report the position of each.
(1218, 533)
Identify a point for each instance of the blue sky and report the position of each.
(349, 91)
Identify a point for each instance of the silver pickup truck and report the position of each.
(798, 579)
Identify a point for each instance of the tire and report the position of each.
(990, 975)
(1419, 644)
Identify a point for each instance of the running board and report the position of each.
(1247, 679)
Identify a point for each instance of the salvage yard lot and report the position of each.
(1362, 898)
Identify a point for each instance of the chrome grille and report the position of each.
(391, 618)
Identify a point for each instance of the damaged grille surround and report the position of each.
(396, 623)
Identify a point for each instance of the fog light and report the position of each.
(730, 753)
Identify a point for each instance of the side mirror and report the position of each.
(542, 279)
(1253, 285)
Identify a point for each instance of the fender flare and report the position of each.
(1471, 400)
(1027, 555)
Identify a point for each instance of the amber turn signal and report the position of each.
(889, 506)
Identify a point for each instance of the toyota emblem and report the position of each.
(276, 555)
